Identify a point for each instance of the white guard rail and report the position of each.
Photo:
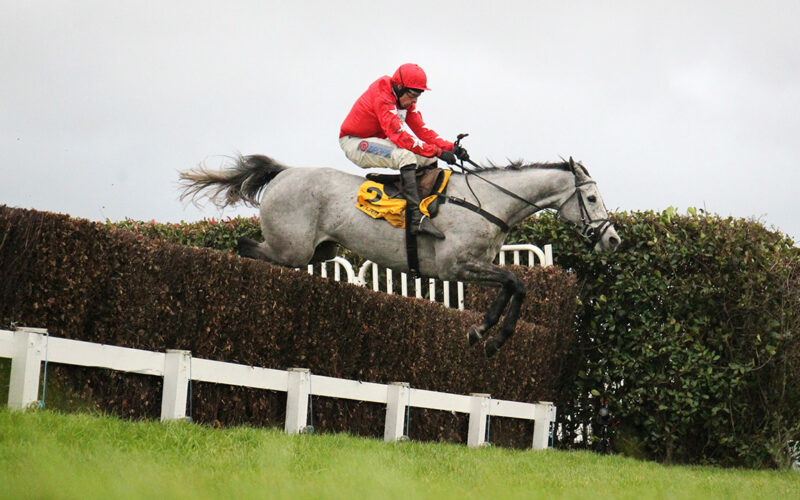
(29, 347)
(531, 253)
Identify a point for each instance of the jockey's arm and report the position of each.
(417, 125)
(393, 128)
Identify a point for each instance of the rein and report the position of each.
(469, 171)
(593, 234)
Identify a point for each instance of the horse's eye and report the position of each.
(592, 199)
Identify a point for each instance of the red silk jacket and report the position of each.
(375, 114)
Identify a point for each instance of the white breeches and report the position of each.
(372, 152)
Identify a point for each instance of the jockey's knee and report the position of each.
(423, 161)
(403, 158)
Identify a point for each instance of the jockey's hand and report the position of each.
(461, 153)
(448, 156)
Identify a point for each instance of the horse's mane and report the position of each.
(521, 165)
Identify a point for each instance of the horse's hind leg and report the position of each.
(292, 256)
(251, 249)
(325, 251)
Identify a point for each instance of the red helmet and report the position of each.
(410, 76)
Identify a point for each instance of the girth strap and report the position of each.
(411, 250)
(478, 210)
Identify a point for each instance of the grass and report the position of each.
(44, 454)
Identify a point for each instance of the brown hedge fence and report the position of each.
(92, 282)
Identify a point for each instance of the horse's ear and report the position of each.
(578, 169)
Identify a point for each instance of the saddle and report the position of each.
(428, 181)
(379, 197)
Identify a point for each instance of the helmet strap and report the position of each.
(399, 91)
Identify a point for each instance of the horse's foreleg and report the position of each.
(492, 316)
(511, 289)
(510, 320)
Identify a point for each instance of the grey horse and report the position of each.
(307, 212)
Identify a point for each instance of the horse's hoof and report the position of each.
(491, 347)
(473, 336)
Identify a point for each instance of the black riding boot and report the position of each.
(417, 222)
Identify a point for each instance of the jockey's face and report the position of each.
(409, 98)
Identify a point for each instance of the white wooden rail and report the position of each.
(29, 347)
(531, 252)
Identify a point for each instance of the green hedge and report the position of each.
(96, 283)
(691, 330)
(208, 233)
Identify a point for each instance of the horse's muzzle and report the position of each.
(607, 240)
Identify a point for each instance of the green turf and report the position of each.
(44, 454)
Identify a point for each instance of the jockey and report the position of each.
(385, 129)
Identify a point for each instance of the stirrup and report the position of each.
(429, 228)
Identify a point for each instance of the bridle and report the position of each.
(588, 227)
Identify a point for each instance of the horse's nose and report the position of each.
(613, 243)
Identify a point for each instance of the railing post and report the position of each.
(361, 279)
(548, 255)
(297, 400)
(25, 367)
(338, 264)
(479, 410)
(376, 277)
(176, 384)
(396, 401)
(543, 415)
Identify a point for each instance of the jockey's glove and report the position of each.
(461, 153)
(448, 157)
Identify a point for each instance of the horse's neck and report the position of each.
(541, 187)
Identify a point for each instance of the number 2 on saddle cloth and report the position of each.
(373, 201)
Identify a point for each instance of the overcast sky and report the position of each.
(668, 103)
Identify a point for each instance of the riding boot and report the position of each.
(417, 222)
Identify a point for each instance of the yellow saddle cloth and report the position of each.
(373, 201)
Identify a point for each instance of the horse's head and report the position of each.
(585, 208)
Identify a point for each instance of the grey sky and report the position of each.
(673, 103)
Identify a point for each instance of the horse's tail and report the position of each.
(242, 180)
